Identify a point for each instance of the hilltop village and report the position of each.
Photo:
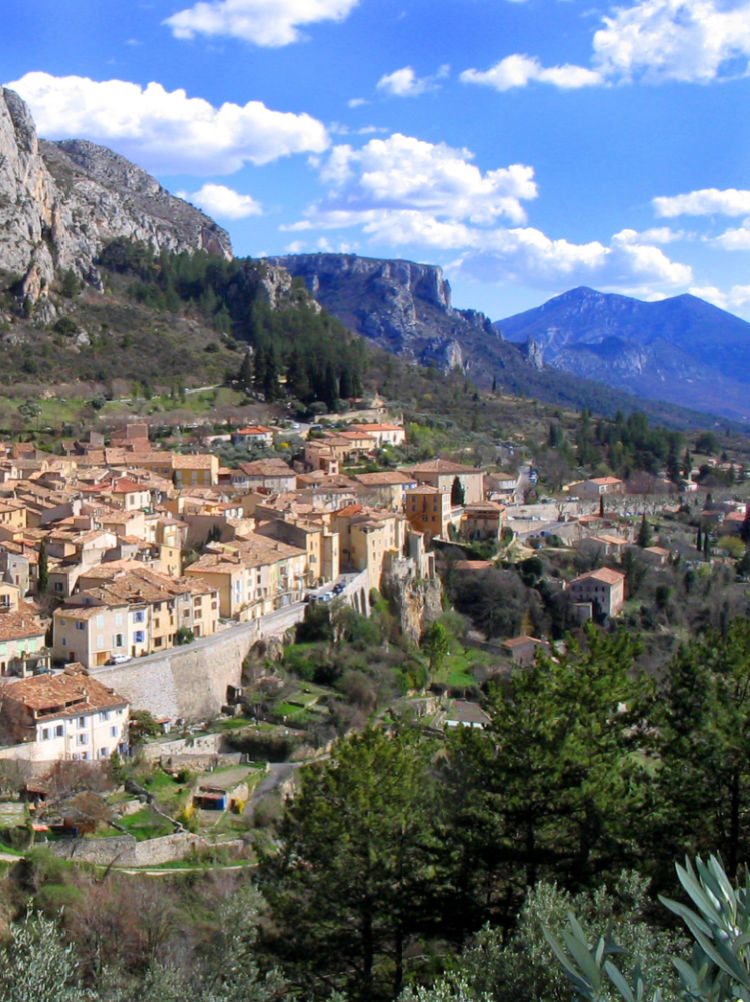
(116, 557)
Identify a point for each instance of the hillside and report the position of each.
(682, 349)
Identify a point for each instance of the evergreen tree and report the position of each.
(699, 540)
(458, 493)
(245, 374)
(550, 788)
(353, 864)
(42, 568)
(644, 533)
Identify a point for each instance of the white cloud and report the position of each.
(734, 239)
(166, 131)
(218, 200)
(519, 70)
(421, 197)
(688, 40)
(405, 82)
(737, 299)
(655, 235)
(529, 257)
(269, 23)
(404, 173)
(356, 102)
(693, 41)
(704, 202)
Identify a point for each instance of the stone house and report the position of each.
(603, 588)
(66, 716)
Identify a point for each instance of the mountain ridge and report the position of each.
(62, 202)
(681, 349)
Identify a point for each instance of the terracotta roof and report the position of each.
(604, 574)
(442, 466)
(377, 427)
(202, 461)
(385, 478)
(17, 625)
(51, 696)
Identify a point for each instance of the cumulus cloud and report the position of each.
(405, 193)
(519, 70)
(225, 203)
(734, 239)
(270, 23)
(688, 40)
(402, 173)
(704, 202)
(694, 41)
(167, 131)
(405, 82)
(528, 256)
(737, 299)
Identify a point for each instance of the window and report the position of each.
(139, 637)
(58, 585)
(103, 753)
(100, 620)
(100, 641)
(113, 732)
(64, 642)
(83, 739)
(118, 640)
(80, 625)
(139, 616)
(104, 715)
(45, 734)
(59, 730)
(81, 721)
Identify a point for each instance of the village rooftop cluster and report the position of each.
(113, 554)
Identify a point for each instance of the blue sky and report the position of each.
(527, 147)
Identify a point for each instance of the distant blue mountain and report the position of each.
(682, 350)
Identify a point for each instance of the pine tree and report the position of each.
(699, 540)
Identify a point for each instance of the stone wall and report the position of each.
(189, 682)
(124, 850)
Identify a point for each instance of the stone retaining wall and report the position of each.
(188, 682)
(124, 850)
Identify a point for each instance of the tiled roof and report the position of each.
(53, 696)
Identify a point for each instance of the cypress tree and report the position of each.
(42, 568)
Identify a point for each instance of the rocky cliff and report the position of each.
(403, 306)
(60, 203)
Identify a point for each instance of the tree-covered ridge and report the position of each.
(295, 344)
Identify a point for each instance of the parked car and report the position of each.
(338, 587)
(119, 659)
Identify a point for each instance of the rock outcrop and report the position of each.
(403, 306)
(60, 203)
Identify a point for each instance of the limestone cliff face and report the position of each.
(60, 203)
(417, 600)
(403, 306)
